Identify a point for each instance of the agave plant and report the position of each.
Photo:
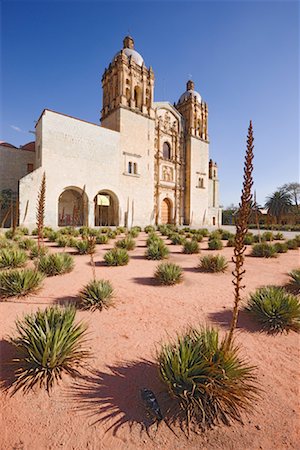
(48, 344)
(55, 264)
(215, 244)
(295, 278)
(280, 247)
(85, 246)
(213, 263)
(97, 294)
(177, 239)
(190, 247)
(157, 250)
(168, 273)
(128, 243)
(275, 309)
(211, 383)
(101, 238)
(153, 237)
(19, 282)
(12, 257)
(62, 240)
(263, 250)
(37, 252)
(292, 244)
(26, 244)
(116, 257)
(149, 229)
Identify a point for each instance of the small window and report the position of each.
(215, 174)
(201, 182)
(130, 167)
(29, 168)
(135, 168)
(214, 221)
(166, 150)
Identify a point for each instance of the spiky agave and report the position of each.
(49, 344)
(97, 294)
(211, 383)
(20, 282)
(55, 264)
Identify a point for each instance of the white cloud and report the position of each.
(14, 127)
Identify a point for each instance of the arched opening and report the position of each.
(138, 97)
(166, 211)
(166, 150)
(127, 93)
(106, 209)
(72, 207)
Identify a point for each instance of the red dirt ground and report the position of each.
(103, 411)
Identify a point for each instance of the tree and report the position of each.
(278, 204)
(294, 190)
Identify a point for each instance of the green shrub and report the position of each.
(275, 309)
(23, 230)
(292, 244)
(136, 228)
(37, 252)
(267, 236)
(177, 239)
(72, 242)
(11, 258)
(215, 235)
(297, 238)
(149, 229)
(248, 239)
(280, 247)
(225, 235)
(112, 234)
(34, 232)
(133, 233)
(206, 382)
(102, 239)
(216, 263)
(153, 237)
(128, 243)
(278, 236)
(168, 273)
(215, 244)
(52, 236)
(204, 232)
(49, 344)
(258, 238)
(231, 242)
(116, 257)
(104, 230)
(55, 264)
(5, 243)
(84, 247)
(19, 282)
(47, 231)
(69, 231)
(197, 237)
(62, 241)
(97, 294)
(26, 244)
(157, 250)
(190, 247)
(295, 278)
(263, 250)
(9, 233)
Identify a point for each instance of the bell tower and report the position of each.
(127, 83)
(195, 112)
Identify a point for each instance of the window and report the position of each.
(29, 168)
(130, 167)
(135, 168)
(138, 97)
(201, 182)
(214, 221)
(166, 150)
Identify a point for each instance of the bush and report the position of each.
(128, 243)
(212, 263)
(102, 239)
(231, 242)
(37, 252)
(278, 236)
(203, 231)
(275, 309)
(121, 230)
(5, 243)
(62, 241)
(215, 244)
(190, 247)
(116, 257)
(97, 294)
(225, 235)
(197, 237)
(112, 234)
(263, 250)
(177, 239)
(52, 236)
(55, 264)
(157, 250)
(168, 273)
(217, 234)
(149, 229)
(9, 234)
(267, 236)
(49, 344)
(248, 239)
(19, 282)
(295, 278)
(85, 246)
(26, 244)
(11, 258)
(133, 233)
(153, 237)
(69, 231)
(34, 232)
(206, 382)
(280, 247)
(292, 244)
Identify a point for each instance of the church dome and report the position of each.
(128, 50)
(190, 92)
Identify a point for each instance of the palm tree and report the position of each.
(278, 204)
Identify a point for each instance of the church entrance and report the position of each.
(72, 207)
(106, 209)
(166, 211)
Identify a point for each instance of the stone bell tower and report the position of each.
(127, 83)
(195, 112)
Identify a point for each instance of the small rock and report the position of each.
(258, 427)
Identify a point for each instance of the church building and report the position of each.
(146, 163)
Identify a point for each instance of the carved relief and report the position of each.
(167, 173)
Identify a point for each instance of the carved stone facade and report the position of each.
(147, 163)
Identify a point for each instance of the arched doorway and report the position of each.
(166, 211)
(106, 209)
(72, 207)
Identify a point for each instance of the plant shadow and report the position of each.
(146, 281)
(7, 372)
(113, 397)
(245, 321)
(67, 300)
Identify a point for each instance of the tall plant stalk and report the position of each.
(241, 231)
(40, 215)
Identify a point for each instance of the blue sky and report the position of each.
(243, 57)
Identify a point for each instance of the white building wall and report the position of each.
(13, 166)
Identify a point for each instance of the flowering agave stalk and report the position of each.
(40, 215)
(241, 231)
